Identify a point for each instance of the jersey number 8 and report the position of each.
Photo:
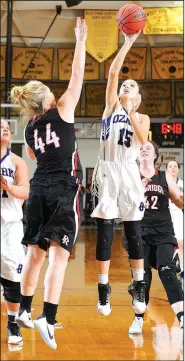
(51, 137)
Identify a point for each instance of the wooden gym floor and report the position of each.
(86, 335)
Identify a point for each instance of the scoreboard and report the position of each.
(167, 135)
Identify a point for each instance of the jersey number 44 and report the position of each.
(51, 137)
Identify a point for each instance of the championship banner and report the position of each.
(102, 40)
(40, 68)
(179, 98)
(58, 89)
(164, 21)
(134, 65)
(65, 59)
(167, 63)
(95, 99)
(156, 100)
(3, 54)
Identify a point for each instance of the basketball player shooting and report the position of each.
(116, 185)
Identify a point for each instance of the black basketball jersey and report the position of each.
(157, 218)
(54, 144)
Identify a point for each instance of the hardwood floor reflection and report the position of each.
(85, 334)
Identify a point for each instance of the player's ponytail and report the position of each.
(30, 97)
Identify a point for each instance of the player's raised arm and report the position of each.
(113, 77)
(68, 101)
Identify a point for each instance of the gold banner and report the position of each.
(3, 54)
(167, 63)
(95, 99)
(65, 59)
(134, 66)
(156, 100)
(179, 98)
(58, 89)
(40, 68)
(164, 21)
(102, 40)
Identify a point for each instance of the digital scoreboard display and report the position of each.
(167, 135)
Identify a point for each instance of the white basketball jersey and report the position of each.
(11, 207)
(118, 142)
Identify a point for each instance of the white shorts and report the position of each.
(117, 191)
(12, 251)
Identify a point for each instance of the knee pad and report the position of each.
(171, 284)
(105, 229)
(134, 239)
(12, 290)
(147, 279)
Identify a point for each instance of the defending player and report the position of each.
(160, 244)
(14, 190)
(55, 193)
(117, 188)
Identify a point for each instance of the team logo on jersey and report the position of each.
(105, 128)
(65, 240)
(7, 172)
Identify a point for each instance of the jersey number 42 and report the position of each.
(51, 137)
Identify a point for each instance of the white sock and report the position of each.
(138, 274)
(12, 313)
(103, 278)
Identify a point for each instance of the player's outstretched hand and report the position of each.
(81, 30)
(129, 39)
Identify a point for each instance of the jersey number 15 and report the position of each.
(51, 137)
(127, 135)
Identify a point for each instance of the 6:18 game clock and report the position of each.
(168, 135)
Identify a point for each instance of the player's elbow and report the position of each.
(78, 73)
(113, 73)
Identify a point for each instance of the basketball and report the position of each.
(131, 18)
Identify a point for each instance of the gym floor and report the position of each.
(86, 335)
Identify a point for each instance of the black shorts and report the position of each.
(161, 255)
(54, 211)
(159, 250)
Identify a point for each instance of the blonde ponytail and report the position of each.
(30, 97)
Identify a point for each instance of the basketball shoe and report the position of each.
(46, 330)
(137, 290)
(104, 306)
(14, 334)
(24, 319)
